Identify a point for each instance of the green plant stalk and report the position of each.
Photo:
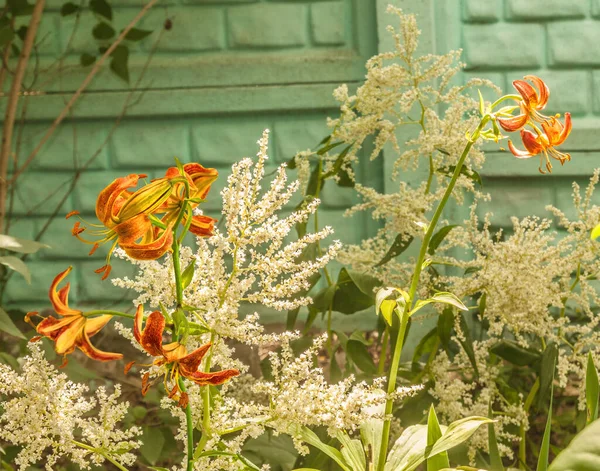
(190, 429)
(383, 355)
(179, 294)
(393, 374)
(101, 453)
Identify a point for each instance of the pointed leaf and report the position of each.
(8, 326)
(188, 274)
(547, 366)
(458, 432)
(370, 432)
(438, 238)
(18, 265)
(352, 451)
(361, 357)
(136, 34)
(68, 9)
(591, 389)
(442, 297)
(86, 59)
(543, 457)
(495, 459)
(102, 8)
(434, 433)
(119, 63)
(103, 31)
(399, 245)
(15, 244)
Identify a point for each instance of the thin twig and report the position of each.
(13, 100)
(81, 89)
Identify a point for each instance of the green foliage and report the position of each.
(582, 454)
(592, 389)
(434, 433)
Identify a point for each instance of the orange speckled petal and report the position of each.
(151, 339)
(59, 299)
(86, 347)
(543, 90)
(191, 362)
(215, 379)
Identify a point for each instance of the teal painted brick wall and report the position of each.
(225, 72)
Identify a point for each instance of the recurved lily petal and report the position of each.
(93, 325)
(66, 339)
(514, 123)
(214, 378)
(152, 250)
(59, 299)
(150, 337)
(534, 144)
(51, 327)
(94, 353)
(191, 362)
(202, 177)
(543, 91)
(202, 226)
(132, 229)
(557, 132)
(113, 194)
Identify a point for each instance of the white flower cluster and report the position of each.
(48, 416)
(461, 392)
(404, 91)
(251, 261)
(299, 394)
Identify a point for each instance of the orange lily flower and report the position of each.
(73, 329)
(533, 101)
(555, 133)
(125, 220)
(199, 181)
(175, 356)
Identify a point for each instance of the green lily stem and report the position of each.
(112, 313)
(190, 429)
(384, 346)
(393, 375)
(101, 453)
(179, 294)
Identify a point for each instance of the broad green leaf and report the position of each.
(8, 326)
(310, 437)
(315, 184)
(370, 434)
(399, 245)
(119, 63)
(354, 292)
(188, 274)
(591, 389)
(547, 366)
(102, 8)
(458, 432)
(360, 356)
(442, 297)
(18, 265)
(135, 34)
(272, 448)
(153, 442)
(409, 449)
(514, 353)
(103, 31)
(15, 244)
(86, 59)
(543, 457)
(335, 372)
(68, 8)
(352, 451)
(434, 433)
(583, 453)
(438, 238)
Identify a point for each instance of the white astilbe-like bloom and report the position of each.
(406, 91)
(299, 395)
(250, 261)
(48, 417)
(522, 275)
(461, 392)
